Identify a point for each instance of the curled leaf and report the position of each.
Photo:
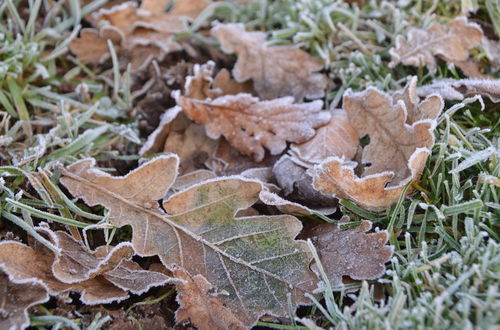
(452, 42)
(255, 260)
(400, 129)
(17, 296)
(276, 71)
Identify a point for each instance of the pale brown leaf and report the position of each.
(92, 45)
(101, 277)
(200, 305)
(452, 42)
(451, 89)
(250, 124)
(255, 260)
(400, 129)
(338, 138)
(336, 177)
(276, 71)
(17, 296)
(351, 252)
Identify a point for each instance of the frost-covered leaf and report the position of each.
(337, 138)
(92, 45)
(16, 297)
(351, 252)
(255, 261)
(400, 129)
(276, 71)
(492, 49)
(100, 278)
(451, 89)
(140, 34)
(250, 124)
(200, 304)
(451, 42)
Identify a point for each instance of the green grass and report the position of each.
(446, 265)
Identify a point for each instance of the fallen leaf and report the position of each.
(250, 124)
(100, 280)
(451, 42)
(451, 89)
(351, 252)
(288, 207)
(254, 260)
(16, 297)
(492, 50)
(400, 128)
(200, 305)
(338, 138)
(276, 71)
(337, 177)
(92, 46)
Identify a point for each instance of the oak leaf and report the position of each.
(17, 296)
(337, 138)
(99, 279)
(255, 261)
(351, 252)
(451, 89)
(92, 45)
(451, 42)
(276, 71)
(400, 129)
(250, 124)
(200, 305)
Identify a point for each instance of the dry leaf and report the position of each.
(100, 280)
(451, 42)
(451, 89)
(288, 207)
(145, 33)
(400, 129)
(200, 305)
(276, 71)
(16, 297)
(338, 138)
(351, 252)
(250, 124)
(255, 260)
(92, 46)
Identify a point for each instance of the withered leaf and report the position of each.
(255, 260)
(200, 304)
(100, 277)
(351, 252)
(400, 129)
(17, 296)
(336, 177)
(338, 138)
(92, 45)
(451, 89)
(250, 124)
(276, 71)
(288, 207)
(452, 42)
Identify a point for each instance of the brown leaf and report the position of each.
(336, 177)
(338, 138)
(452, 42)
(276, 71)
(255, 260)
(400, 131)
(351, 252)
(451, 89)
(100, 278)
(92, 45)
(16, 297)
(250, 124)
(288, 207)
(200, 305)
